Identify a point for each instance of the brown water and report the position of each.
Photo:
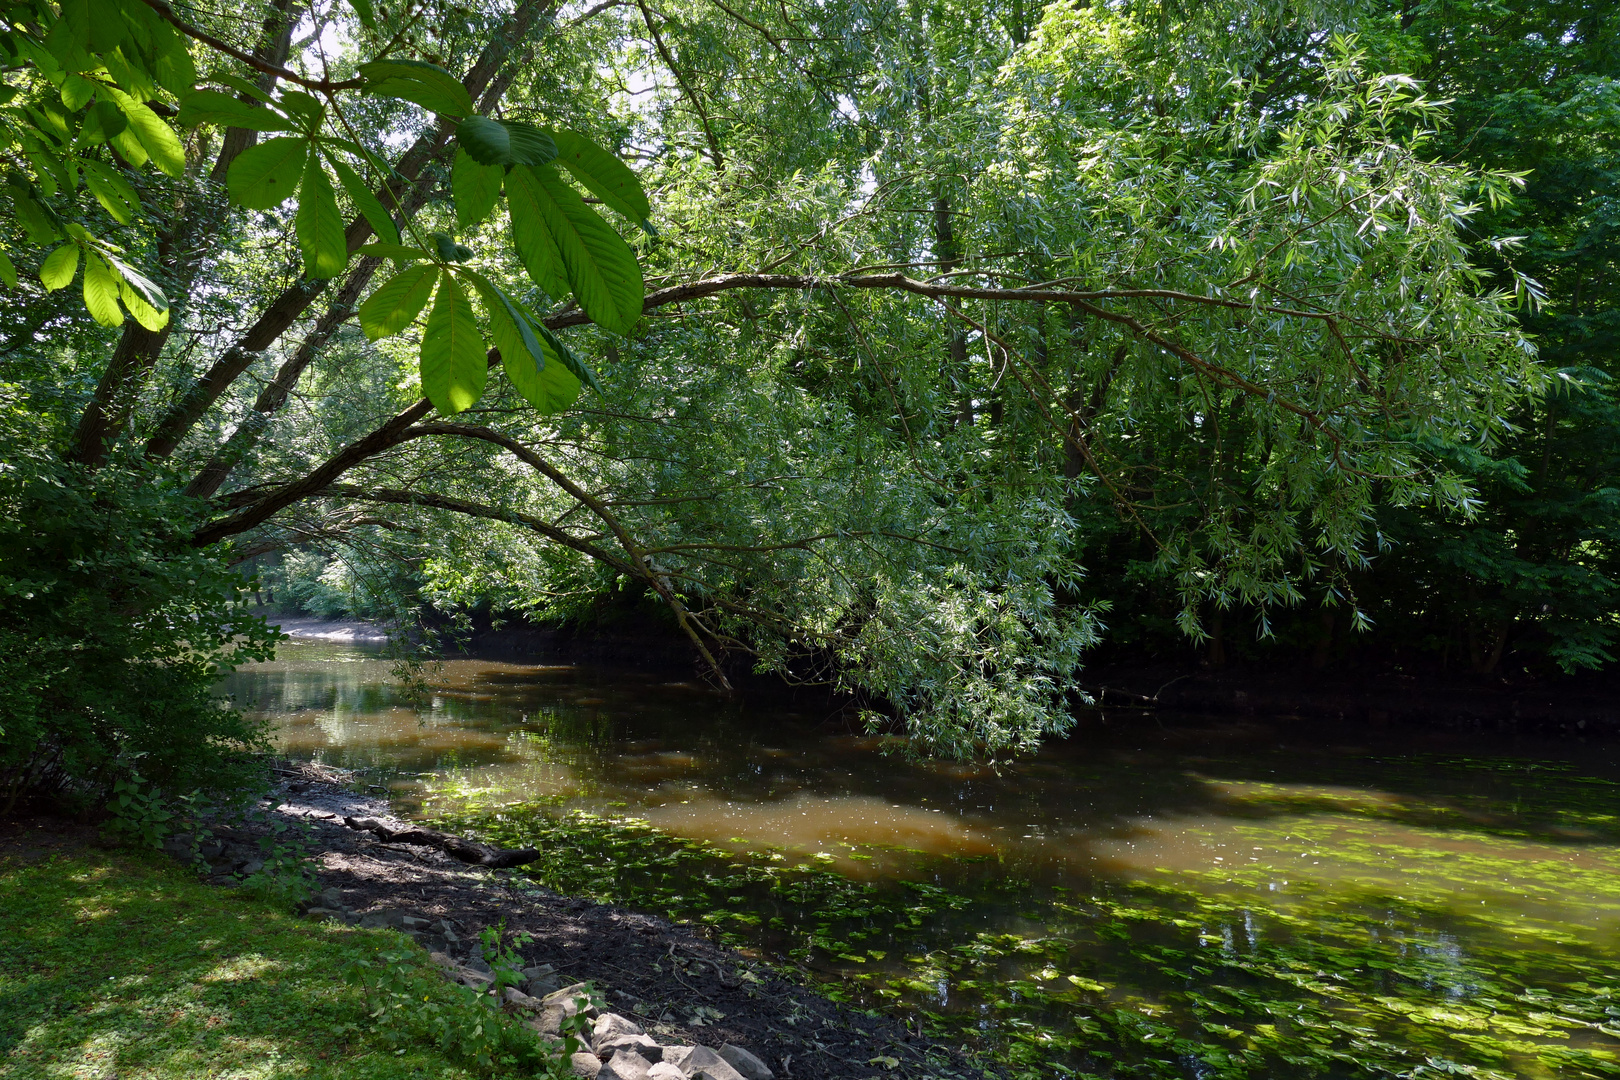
(1156, 896)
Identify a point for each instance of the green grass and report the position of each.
(123, 964)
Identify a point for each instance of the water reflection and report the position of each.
(1420, 865)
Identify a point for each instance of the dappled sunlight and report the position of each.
(1099, 885)
(813, 824)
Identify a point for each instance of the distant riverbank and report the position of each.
(350, 630)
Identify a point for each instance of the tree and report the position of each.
(1223, 328)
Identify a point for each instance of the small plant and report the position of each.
(503, 960)
(139, 812)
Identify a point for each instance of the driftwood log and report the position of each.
(465, 850)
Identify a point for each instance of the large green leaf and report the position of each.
(475, 187)
(602, 270)
(454, 367)
(542, 368)
(264, 176)
(101, 292)
(111, 191)
(604, 176)
(428, 85)
(140, 294)
(508, 325)
(320, 224)
(504, 142)
(396, 302)
(8, 270)
(366, 201)
(531, 239)
(57, 271)
(156, 136)
(218, 107)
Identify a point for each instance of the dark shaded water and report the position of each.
(1155, 896)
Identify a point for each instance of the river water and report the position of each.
(1154, 897)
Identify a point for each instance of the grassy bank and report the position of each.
(122, 964)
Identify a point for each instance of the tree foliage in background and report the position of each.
(929, 344)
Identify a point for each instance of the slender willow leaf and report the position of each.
(111, 191)
(320, 224)
(602, 270)
(428, 85)
(475, 187)
(101, 292)
(604, 176)
(454, 367)
(531, 239)
(365, 201)
(264, 176)
(59, 267)
(218, 107)
(397, 301)
(504, 142)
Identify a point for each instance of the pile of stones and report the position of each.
(620, 1048)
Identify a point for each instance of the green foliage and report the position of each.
(114, 633)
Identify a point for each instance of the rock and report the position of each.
(478, 963)
(614, 1045)
(332, 897)
(610, 1024)
(213, 849)
(251, 867)
(586, 1065)
(568, 997)
(750, 1066)
(320, 914)
(442, 961)
(663, 1070)
(411, 922)
(625, 1065)
(519, 1000)
(540, 987)
(700, 1063)
(540, 980)
(548, 1023)
(477, 980)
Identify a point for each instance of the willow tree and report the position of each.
(927, 287)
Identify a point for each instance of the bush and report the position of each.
(113, 633)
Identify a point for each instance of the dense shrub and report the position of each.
(113, 632)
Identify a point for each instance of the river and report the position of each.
(1154, 897)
